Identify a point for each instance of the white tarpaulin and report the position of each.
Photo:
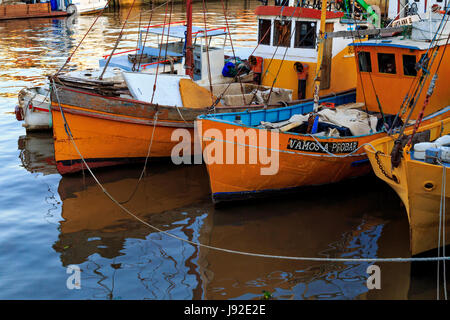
(358, 121)
(167, 91)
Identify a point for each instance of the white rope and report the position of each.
(197, 244)
(328, 154)
(149, 148)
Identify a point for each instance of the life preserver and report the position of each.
(256, 64)
(329, 105)
(19, 113)
(302, 70)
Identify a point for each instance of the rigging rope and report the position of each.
(232, 47)
(117, 41)
(198, 244)
(159, 54)
(146, 34)
(82, 39)
(442, 223)
(207, 51)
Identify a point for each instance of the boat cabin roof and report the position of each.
(180, 32)
(396, 42)
(295, 12)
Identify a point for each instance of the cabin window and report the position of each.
(365, 65)
(264, 31)
(305, 34)
(409, 65)
(282, 33)
(386, 63)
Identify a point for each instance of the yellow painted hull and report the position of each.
(419, 187)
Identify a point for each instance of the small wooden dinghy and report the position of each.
(420, 184)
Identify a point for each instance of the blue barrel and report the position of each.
(54, 5)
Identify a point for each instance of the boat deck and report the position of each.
(26, 11)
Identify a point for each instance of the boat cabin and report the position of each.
(287, 51)
(169, 54)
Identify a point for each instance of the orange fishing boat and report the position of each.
(114, 130)
(110, 126)
(279, 150)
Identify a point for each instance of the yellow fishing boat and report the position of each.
(420, 186)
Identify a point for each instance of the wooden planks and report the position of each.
(105, 88)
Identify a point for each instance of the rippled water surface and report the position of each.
(48, 222)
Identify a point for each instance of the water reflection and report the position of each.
(37, 153)
(121, 257)
(338, 221)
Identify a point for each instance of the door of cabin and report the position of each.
(325, 74)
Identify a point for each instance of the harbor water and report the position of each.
(50, 224)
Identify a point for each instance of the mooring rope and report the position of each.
(198, 244)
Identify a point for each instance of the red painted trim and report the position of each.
(114, 54)
(296, 12)
(111, 117)
(39, 109)
(209, 30)
(77, 165)
(157, 62)
(165, 24)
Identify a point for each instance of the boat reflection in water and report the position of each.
(122, 258)
(103, 240)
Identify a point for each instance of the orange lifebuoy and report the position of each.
(330, 105)
(256, 64)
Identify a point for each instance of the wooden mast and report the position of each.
(189, 58)
(320, 45)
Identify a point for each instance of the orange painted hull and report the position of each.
(232, 181)
(105, 142)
